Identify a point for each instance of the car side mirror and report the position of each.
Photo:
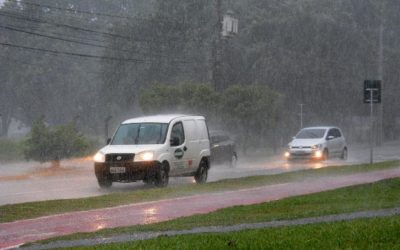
(108, 141)
(294, 137)
(330, 137)
(174, 141)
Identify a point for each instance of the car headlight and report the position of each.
(99, 157)
(144, 156)
(318, 146)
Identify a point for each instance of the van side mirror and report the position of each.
(174, 141)
(108, 141)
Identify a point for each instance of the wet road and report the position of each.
(16, 233)
(26, 182)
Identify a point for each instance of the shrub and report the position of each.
(54, 143)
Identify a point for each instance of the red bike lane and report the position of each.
(13, 234)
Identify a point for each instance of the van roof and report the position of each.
(159, 118)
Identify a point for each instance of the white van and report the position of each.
(153, 148)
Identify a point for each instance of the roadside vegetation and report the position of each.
(379, 233)
(379, 195)
(11, 150)
(36, 209)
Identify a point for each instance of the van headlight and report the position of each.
(144, 156)
(99, 157)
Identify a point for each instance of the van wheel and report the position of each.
(344, 154)
(202, 173)
(162, 177)
(233, 162)
(104, 182)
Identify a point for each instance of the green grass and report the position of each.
(11, 150)
(35, 209)
(379, 233)
(379, 195)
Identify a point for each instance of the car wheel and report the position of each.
(202, 173)
(233, 161)
(325, 155)
(344, 154)
(105, 182)
(162, 177)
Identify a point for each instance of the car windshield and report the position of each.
(140, 133)
(310, 134)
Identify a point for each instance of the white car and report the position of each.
(318, 143)
(153, 148)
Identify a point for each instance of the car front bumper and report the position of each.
(308, 154)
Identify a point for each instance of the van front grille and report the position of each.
(119, 157)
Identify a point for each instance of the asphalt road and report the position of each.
(24, 182)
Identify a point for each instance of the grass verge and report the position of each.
(379, 195)
(35, 209)
(379, 233)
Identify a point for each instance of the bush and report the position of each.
(53, 144)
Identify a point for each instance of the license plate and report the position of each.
(117, 170)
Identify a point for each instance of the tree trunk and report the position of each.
(55, 164)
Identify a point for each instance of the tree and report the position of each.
(54, 144)
(187, 97)
(251, 111)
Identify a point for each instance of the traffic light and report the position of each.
(375, 87)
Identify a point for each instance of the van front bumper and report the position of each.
(126, 172)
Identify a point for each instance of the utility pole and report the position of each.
(301, 115)
(217, 50)
(380, 132)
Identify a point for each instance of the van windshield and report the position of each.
(140, 133)
(311, 134)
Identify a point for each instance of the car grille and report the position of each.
(305, 147)
(119, 157)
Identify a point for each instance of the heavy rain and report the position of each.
(284, 87)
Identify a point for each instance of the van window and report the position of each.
(140, 133)
(178, 132)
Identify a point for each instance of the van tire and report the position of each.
(344, 154)
(105, 182)
(202, 172)
(162, 177)
(233, 161)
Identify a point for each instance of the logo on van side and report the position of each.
(178, 153)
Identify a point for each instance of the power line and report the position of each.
(75, 41)
(76, 28)
(52, 37)
(79, 54)
(85, 11)
(74, 54)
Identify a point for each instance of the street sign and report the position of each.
(375, 87)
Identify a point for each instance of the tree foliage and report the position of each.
(250, 111)
(313, 52)
(54, 143)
